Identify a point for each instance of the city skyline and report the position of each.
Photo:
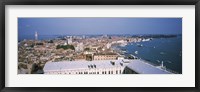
(99, 46)
(96, 26)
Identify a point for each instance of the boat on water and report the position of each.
(133, 56)
(146, 39)
(124, 52)
(161, 65)
(136, 52)
(139, 45)
(162, 53)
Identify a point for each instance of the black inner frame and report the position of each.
(99, 2)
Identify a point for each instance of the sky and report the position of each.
(87, 26)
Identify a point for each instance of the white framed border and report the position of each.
(186, 79)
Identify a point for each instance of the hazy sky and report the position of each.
(76, 26)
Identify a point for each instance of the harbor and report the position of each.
(152, 51)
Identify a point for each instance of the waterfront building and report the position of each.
(120, 58)
(124, 66)
(142, 67)
(80, 57)
(107, 56)
(84, 67)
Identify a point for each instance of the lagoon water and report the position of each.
(168, 50)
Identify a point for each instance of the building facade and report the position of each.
(84, 67)
(103, 67)
(105, 57)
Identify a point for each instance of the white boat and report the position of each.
(162, 53)
(136, 52)
(139, 45)
(123, 44)
(146, 40)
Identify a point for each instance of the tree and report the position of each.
(39, 43)
(65, 47)
(86, 49)
(51, 41)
